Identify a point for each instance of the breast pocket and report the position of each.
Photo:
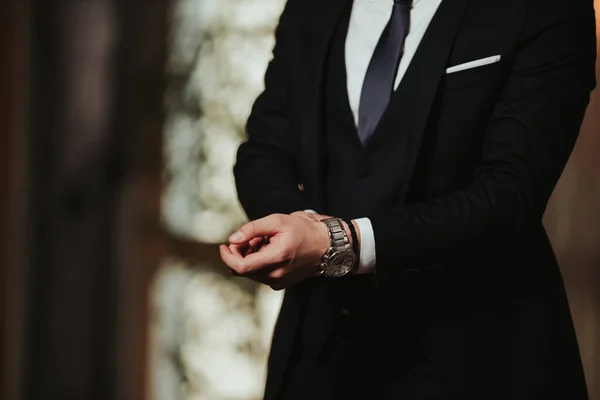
(474, 76)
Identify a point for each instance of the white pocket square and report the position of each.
(474, 64)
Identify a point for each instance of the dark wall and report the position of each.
(71, 333)
(14, 218)
(85, 110)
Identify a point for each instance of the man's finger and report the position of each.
(239, 249)
(234, 261)
(271, 256)
(252, 246)
(267, 226)
(248, 264)
(257, 242)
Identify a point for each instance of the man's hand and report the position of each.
(279, 250)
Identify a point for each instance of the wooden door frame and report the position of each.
(14, 218)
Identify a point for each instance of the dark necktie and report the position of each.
(381, 74)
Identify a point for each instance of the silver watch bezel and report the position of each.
(330, 268)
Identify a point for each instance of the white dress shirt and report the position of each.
(367, 22)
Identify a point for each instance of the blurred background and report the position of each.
(119, 126)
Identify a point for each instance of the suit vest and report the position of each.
(335, 303)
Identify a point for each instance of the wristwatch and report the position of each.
(339, 260)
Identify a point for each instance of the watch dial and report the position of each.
(341, 264)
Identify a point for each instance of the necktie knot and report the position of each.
(405, 3)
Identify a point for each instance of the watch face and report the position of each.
(340, 264)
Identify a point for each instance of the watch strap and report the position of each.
(355, 244)
(337, 233)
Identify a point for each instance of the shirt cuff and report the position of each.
(366, 263)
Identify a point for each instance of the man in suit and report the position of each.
(396, 171)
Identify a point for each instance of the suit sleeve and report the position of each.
(265, 171)
(527, 143)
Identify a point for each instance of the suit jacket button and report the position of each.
(345, 311)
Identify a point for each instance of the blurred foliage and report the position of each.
(220, 49)
(210, 337)
(210, 332)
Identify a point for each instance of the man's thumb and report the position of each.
(267, 226)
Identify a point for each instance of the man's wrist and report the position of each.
(325, 245)
(352, 232)
(325, 239)
(357, 229)
(349, 232)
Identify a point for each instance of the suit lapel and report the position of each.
(397, 139)
(325, 16)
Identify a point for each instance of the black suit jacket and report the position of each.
(464, 165)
